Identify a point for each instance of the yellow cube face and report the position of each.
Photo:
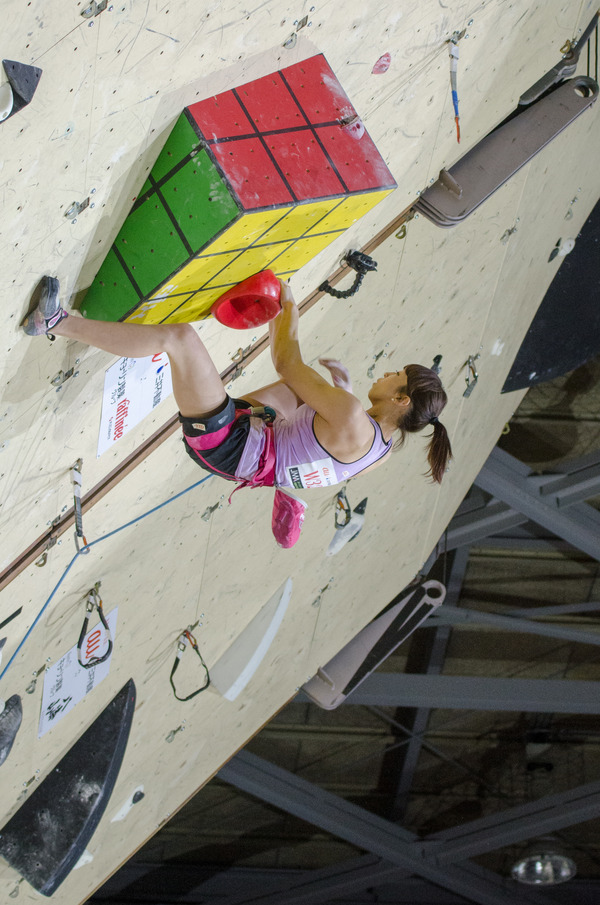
(282, 240)
(248, 230)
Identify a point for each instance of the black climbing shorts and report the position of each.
(216, 441)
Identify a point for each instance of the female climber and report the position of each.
(299, 432)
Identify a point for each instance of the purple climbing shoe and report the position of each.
(48, 312)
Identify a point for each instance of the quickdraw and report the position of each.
(453, 50)
(357, 261)
(93, 602)
(184, 639)
(343, 510)
(76, 477)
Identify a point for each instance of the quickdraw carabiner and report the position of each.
(93, 602)
(184, 639)
(79, 535)
(343, 510)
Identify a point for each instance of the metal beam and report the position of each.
(517, 824)
(472, 527)
(433, 649)
(399, 847)
(559, 609)
(467, 616)
(365, 830)
(478, 693)
(507, 479)
(580, 481)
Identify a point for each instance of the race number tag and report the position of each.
(312, 474)
(66, 683)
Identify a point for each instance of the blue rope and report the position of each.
(86, 550)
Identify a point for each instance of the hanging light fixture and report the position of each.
(544, 868)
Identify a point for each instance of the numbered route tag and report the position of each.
(312, 474)
(66, 683)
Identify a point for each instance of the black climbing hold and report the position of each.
(137, 796)
(10, 721)
(565, 332)
(23, 80)
(47, 836)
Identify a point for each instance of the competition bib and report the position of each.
(312, 474)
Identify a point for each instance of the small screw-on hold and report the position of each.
(110, 9)
(466, 36)
(418, 191)
(90, 24)
(312, 9)
(93, 204)
(295, 21)
(309, 24)
(416, 216)
(64, 509)
(92, 191)
(470, 22)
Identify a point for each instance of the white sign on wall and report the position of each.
(66, 682)
(133, 387)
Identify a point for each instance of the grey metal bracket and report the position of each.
(498, 156)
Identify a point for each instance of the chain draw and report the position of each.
(93, 602)
(184, 639)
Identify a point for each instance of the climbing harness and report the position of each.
(359, 262)
(93, 602)
(343, 510)
(184, 639)
(79, 535)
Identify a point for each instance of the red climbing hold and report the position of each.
(382, 64)
(249, 304)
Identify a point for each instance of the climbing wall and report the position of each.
(165, 548)
(266, 175)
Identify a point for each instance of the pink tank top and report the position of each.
(302, 462)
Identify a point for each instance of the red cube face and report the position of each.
(286, 138)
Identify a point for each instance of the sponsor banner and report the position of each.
(66, 683)
(133, 387)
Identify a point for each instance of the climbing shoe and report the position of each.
(287, 518)
(48, 312)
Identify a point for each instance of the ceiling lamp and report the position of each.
(544, 868)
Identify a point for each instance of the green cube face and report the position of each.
(183, 205)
